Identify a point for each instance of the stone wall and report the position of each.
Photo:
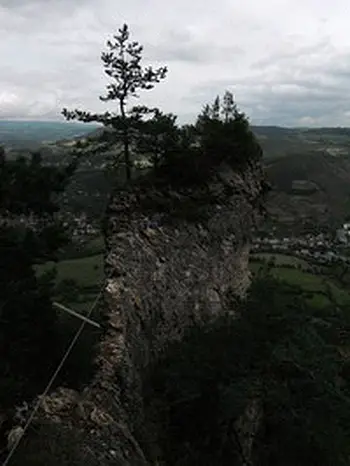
(162, 276)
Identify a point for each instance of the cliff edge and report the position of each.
(173, 259)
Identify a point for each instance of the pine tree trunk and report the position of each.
(126, 142)
(127, 156)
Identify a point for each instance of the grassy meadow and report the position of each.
(315, 284)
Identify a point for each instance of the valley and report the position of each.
(309, 173)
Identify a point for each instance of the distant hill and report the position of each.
(309, 168)
(278, 142)
(33, 134)
(312, 187)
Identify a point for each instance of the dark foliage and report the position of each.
(158, 137)
(279, 351)
(29, 234)
(52, 445)
(221, 134)
(225, 133)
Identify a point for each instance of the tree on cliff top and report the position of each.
(122, 63)
(224, 132)
(221, 134)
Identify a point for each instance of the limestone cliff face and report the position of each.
(162, 276)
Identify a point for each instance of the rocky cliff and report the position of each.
(173, 259)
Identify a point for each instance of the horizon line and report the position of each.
(72, 122)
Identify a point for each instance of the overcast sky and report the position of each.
(286, 61)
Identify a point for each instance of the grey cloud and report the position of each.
(50, 53)
(14, 5)
(286, 99)
(289, 51)
(184, 46)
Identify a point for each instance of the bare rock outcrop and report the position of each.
(173, 259)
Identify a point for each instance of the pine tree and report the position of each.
(215, 109)
(229, 107)
(122, 63)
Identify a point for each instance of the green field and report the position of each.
(315, 284)
(88, 271)
(280, 259)
(95, 246)
(88, 275)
